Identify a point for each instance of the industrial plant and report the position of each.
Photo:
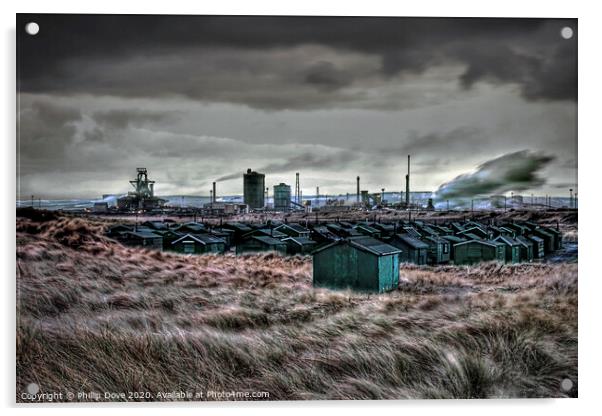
(143, 197)
(256, 198)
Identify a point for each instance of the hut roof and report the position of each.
(453, 239)
(302, 241)
(295, 227)
(366, 227)
(485, 242)
(203, 239)
(142, 234)
(267, 240)
(524, 240)
(507, 240)
(411, 241)
(367, 244)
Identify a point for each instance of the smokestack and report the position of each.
(152, 189)
(214, 194)
(297, 189)
(408, 184)
(358, 189)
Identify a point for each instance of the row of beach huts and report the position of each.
(360, 255)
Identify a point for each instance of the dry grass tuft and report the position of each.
(97, 316)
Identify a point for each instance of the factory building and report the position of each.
(254, 189)
(282, 197)
(143, 197)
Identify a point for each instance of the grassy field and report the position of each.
(94, 316)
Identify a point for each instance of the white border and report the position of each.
(590, 22)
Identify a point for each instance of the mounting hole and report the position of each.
(32, 28)
(566, 32)
(566, 385)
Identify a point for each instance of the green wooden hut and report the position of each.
(475, 251)
(322, 235)
(365, 229)
(267, 232)
(299, 245)
(155, 225)
(453, 240)
(547, 237)
(539, 249)
(474, 231)
(343, 232)
(142, 238)
(238, 229)
(518, 228)
(259, 243)
(117, 230)
(412, 249)
(512, 247)
(557, 237)
(363, 264)
(293, 230)
(198, 244)
(190, 228)
(224, 234)
(169, 236)
(526, 248)
(386, 230)
(438, 251)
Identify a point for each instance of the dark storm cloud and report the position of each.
(121, 119)
(150, 56)
(516, 171)
(307, 160)
(441, 144)
(325, 75)
(46, 129)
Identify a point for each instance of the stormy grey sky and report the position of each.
(197, 98)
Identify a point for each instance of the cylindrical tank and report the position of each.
(254, 189)
(282, 197)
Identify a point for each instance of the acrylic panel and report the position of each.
(217, 208)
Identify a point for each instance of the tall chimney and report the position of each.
(408, 184)
(358, 189)
(214, 197)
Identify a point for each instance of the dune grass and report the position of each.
(95, 316)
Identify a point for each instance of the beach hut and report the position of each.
(438, 251)
(412, 249)
(293, 230)
(539, 249)
(142, 238)
(475, 251)
(259, 243)
(526, 248)
(512, 247)
(365, 229)
(453, 240)
(199, 244)
(363, 264)
(299, 245)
